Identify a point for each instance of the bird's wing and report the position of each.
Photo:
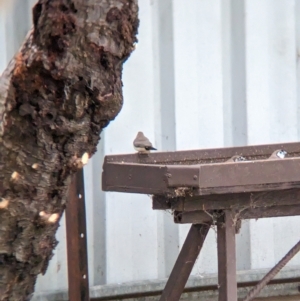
(144, 142)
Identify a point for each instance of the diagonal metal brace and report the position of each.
(185, 262)
(273, 272)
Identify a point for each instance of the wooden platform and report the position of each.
(203, 188)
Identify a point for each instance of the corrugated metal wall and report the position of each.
(204, 74)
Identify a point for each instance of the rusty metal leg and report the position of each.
(76, 241)
(227, 258)
(185, 262)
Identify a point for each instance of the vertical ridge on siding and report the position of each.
(259, 109)
(198, 91)
(227, 71)
(238, 73)
(185, 75)
(271, 101)
(131, 224)
(186, 83)
(234, 95)
(297, 38)
(164, 93)
(163, 62)
(96, 218)
(283, 36)
(3, 50)
(210, 98)
(282, 65)
(234, 72)
(209, 81)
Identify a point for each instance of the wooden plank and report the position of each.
(150, 179)
(193, 217)
(205, 179)
(239, 200)
(138, 178)
(77, 241)
(273, 211)
(162, 202)
(251, 152)
(259, 175)
(185, 262)
(210, 216)
(226, 257)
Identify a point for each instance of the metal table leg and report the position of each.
(227, 258)
(185, 262)
(76, 241)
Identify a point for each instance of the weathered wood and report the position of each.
(194, 217)
(162, 202)
(200, 216)
(57, 94)
(145, 178)
(185, 262)
(273, 211)
(244, 200)
(214, 155)
(226, 257)
(201, 179)
(249, 176)
(78, 276)
(238, 201)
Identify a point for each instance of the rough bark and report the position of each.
(57, 94)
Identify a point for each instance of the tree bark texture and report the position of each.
(57, 94)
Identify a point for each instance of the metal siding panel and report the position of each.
(297, 25)
(131, 235)
(259, 109)
(199, 90)
(257, 74)
(3, 51)
(283, 36)
(282, 80)
(271, 99)
(186, 75)
(165, 129)
(234, 72)
(210, 74)
(185, 86)
(96, 218)
(164, 121)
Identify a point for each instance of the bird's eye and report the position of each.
(281, 154)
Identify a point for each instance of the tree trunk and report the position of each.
(57, 94)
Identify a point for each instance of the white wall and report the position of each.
(204, 74)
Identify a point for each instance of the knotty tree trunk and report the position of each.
(57, 94)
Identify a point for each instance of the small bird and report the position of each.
(142, 143)
(278, 154)
(236, 158)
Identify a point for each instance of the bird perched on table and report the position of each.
(236, 158)
(278, 154)
(142, 143)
